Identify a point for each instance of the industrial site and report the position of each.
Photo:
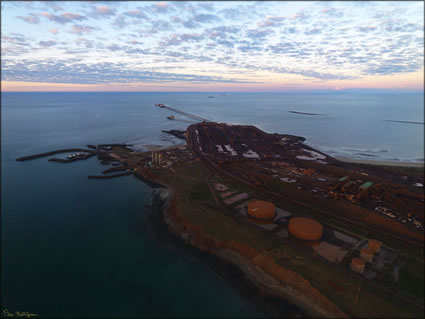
(355, 224)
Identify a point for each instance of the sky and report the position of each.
(217, 46)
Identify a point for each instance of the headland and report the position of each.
(365, 259)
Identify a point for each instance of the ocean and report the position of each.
(83, 248)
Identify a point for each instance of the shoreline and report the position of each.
(230, 272)
(379, 162)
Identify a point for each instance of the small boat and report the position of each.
(211, 97)
(171, 117)
(160, 105)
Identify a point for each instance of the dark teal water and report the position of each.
(74, 247)
(83, 248)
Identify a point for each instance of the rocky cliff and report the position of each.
(270, 277)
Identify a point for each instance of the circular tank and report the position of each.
(357, 265)
(374, 245)
(261, 209)
(305, 228)
(367, 254)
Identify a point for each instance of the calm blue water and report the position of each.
(79, 247)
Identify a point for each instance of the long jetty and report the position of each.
(66, 150)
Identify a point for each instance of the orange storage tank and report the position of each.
(305, 228)
(367, 254)
(261, 209)
(374, 245)
(357, 265)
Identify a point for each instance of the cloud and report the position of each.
(312, 31)
(196, 20)
(366, 28)
(32, 18)
(53, 5)
(64, 17)
(135, 42)
(243, 11)
(190, 24)
(207, 6)
(291, 30)
(114, 47)
(47, 44)
(137, 13)
(88, 44)
(258, 33)
(271, 21)
(161, 7)
(332, 12)
(96, 73)
(102, 11)
(393, 67)
(283, 48)
(321, 41)
(120, 22)
(177, 39)
(301, 16)
(80, 29)
(15, 38)
(161, 25)
(15, 44)
(205, 18)
(224, 35)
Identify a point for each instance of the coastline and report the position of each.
(379, 162)
(227, 268)
(251, 277)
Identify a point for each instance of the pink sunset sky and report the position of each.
(212, 46)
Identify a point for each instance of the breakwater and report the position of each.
(105, 146)
(66, 150)
(115, 169)
(69, 160)
(109, 176)
(176, 133)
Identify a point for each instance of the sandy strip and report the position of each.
(380, 162)
(155, 148)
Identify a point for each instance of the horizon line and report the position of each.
(224, 92)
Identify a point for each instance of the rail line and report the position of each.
(211, 167)
(280, 196)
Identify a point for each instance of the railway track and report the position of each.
(211, 168)
(345, 220)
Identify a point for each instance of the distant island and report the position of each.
(409, 122)
(305, 113)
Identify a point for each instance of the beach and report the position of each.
(380, 162)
